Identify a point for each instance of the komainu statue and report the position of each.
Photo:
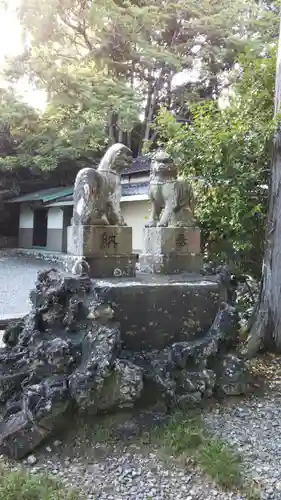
(97, 192)
(172, 199)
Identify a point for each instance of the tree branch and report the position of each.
(81, 30)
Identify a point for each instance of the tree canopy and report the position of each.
(108, 67)
(226, 153)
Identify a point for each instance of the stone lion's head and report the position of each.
(117, 158)
(163, 165)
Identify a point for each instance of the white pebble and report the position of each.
(31, 460)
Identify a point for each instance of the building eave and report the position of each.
(69, 203)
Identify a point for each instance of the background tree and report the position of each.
(18, 125)
(113, 62)
(266, 330)
(226, 153)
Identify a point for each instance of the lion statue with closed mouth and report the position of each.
(97, 192)
(172, 199)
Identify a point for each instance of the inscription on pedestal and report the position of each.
(171, 250)
(158, 240)
(108, 241)
(181, 241)
(106, 249)
(92, 241)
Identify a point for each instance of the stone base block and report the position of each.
(171, 250)
(171, 263)
(112, 266)
(154, 311)
(175, 240)
(99, 241)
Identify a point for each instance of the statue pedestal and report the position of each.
(171, 250)
(107, 249)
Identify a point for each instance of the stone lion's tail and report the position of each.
(185, 196)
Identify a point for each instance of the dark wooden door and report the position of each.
(40, 227)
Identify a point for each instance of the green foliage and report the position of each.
(221, 463)
(103, 64)
(227, 154)
(74, 124)
(22, 485)
(20, 123)
(183, 434)
(186, 437)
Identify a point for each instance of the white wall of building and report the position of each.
(55, 218)
(136, 214)
(26, 218)
(140, 178)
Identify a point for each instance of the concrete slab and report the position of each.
(17, 278)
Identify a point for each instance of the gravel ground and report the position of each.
(252, 426)
(127, 473)
(17, 278)
(129, 470)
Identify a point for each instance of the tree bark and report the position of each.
(266, 329)
(129, 139)
(151, 109)
(146, 114)
(151, 102)
(111, 129)
(120, 135)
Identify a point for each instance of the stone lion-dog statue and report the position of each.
(97, 192)
(172, 199)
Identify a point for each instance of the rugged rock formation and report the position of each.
(68, 355)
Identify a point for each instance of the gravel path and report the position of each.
(252, 426)
(17, 277)
(128, 473)
(127, 470)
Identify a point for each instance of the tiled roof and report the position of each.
(44, 195)
(66, 194)
(140, 164)
(129, 189)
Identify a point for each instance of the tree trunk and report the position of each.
(152, 98)
(266, 329)
(153, 101)
(146, 114)
(120, 135)
(111, 129)
(129, 139)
